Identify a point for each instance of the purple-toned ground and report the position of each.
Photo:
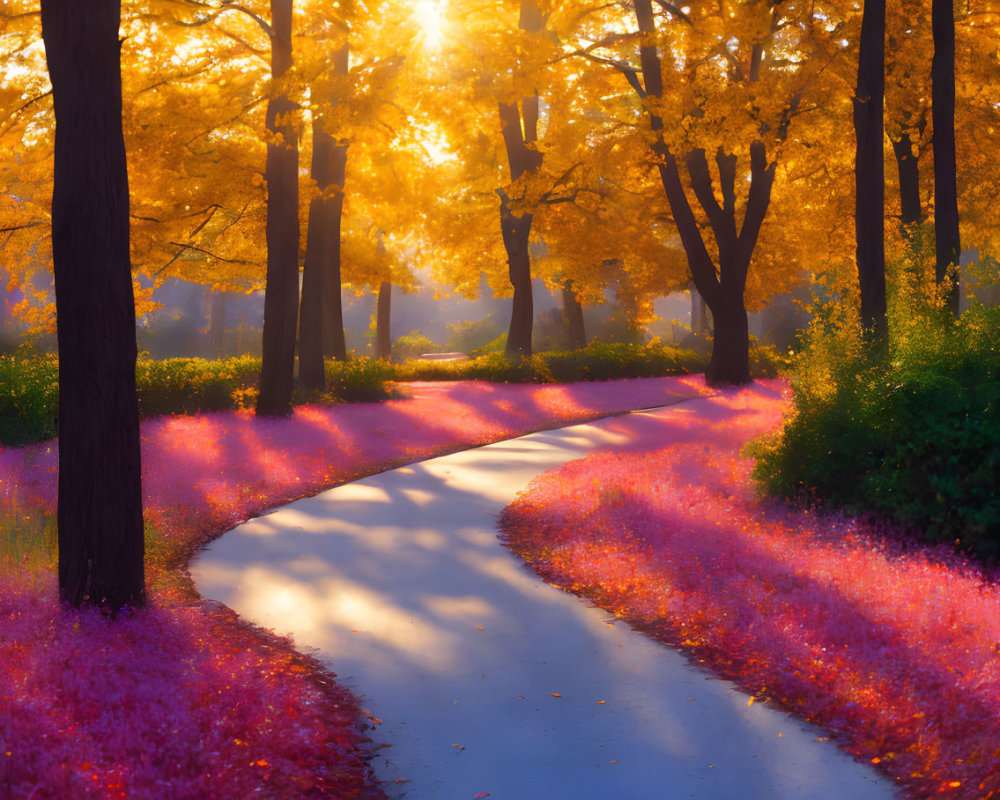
(893, 647)
(183, 700)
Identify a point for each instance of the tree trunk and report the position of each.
(334, 339)
(730, 360)
(908, 166)
(321, 316)
(948, 242)
(573, 313)
(516, 232)
(519, 139)
(869, 170)
(383, 316)
(217, 321)
(100, 493)
(281, 293)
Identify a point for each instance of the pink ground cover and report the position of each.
(892, 647)
(182, 700)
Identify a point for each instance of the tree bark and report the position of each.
(100, 494)
(573, 313)
(908, 167)
(516, 232)
(321, 315)
(869, 170)
(383, 317)
(730, 359)
(281, 293)
(948, 243)
(217, 321)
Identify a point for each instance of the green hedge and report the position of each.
(911, 434)
(29, 385)
(29, 389)
(597, 361)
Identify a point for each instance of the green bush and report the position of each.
(29, 392)
(362, 380)
(29, 398)
(600, 361)
(411, 345)
(190, 385)
(911, 432)
(596, 362)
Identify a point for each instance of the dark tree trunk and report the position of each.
(869, 170)
(281, 294)
(520, 137)
(321, 316)
(334, 339)
(516, 232)
(948, 243)
(100, 494)
(217, 321)
(730, 360)
(573, 313)
(383, 317)
(908, 166)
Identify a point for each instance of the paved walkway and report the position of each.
(488, 682)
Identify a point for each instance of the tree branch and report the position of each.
(227, 5)
(209, 253)
(12, 228)
(675, 11)
(22, 109)
(631, 73)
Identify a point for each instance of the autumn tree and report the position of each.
(870, 169)
(730, 99)
(100, 497)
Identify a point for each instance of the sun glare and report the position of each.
(428, 16)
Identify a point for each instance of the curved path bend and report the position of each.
(488, 682)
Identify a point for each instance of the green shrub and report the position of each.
(29, 394)
(600, 361)
(29, 398)
(911, 433)
(419, 370)
(190, 385)
(362, 380)
(411, 345)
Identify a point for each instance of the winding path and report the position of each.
(488, 682)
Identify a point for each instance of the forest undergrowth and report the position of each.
(183, 699)
(889, 644)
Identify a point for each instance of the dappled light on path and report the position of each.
(193, 697)
(892, 646)
(486, 679)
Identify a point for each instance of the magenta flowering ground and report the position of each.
(893, 648)
(183, 700)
